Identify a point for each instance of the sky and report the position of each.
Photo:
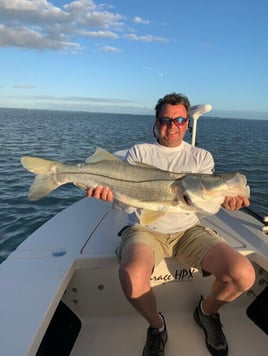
(120, 56)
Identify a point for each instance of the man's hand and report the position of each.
(235, 203)
(100, 192)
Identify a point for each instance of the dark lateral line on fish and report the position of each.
(118, 179)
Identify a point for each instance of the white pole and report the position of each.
(195, 112)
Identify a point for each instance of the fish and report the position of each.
(153, 190)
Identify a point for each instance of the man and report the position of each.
(143, 247)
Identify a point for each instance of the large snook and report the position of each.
(151, 189)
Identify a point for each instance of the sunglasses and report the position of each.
(178, 121)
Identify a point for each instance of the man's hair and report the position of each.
(173, 99)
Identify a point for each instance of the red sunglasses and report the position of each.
(167, 121)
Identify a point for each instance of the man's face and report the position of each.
(170, 134)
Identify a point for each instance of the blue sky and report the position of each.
(122, 55)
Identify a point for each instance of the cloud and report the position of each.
(82, 103)
(85, 99)
(163, 74)
(110, 49)
(29, 38)
(146, 38)
(24, 86)
(99, 34)
(139, 20)
(41, 25)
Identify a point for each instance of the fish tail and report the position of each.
(45, 180)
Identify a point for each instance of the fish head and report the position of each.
(205, 193)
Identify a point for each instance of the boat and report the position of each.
(60, 293)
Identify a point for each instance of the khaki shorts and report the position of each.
(189, 246)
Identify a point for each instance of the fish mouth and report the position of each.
(187, 200)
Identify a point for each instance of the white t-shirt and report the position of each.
(184, 158)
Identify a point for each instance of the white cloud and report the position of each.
(30, 38)
(99, 34)
(30, 12)
(163, 74)
(110, 49)
(39, 24)
(139, 20)
(146, 38)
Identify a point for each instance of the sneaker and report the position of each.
(155, 341)
(215, 338)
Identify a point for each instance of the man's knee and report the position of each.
(243, 275)
(134, 281)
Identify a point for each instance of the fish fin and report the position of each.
(45, 181)
(42, 186)
(102, 155)
(81, 186)
(39, 165)
(149, 216)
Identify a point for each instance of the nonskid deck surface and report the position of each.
(125, 336)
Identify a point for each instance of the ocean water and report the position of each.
(237, 145)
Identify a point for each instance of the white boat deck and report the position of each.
(126, 336)
(111, 327)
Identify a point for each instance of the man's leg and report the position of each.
(137, 263)
(136, 266)
(233, 272)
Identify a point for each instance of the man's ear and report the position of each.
(155, 130)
